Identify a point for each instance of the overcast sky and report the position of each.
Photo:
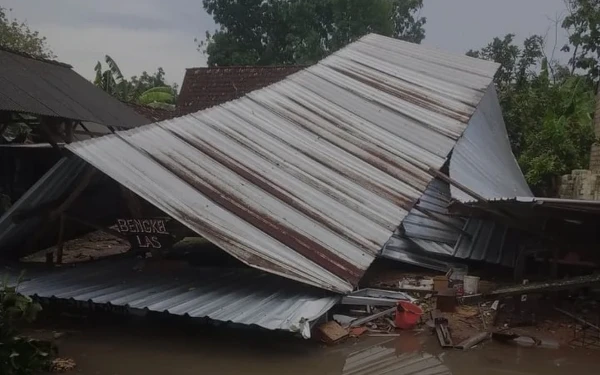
(144, 34)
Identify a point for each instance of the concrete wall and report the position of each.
(581, 184)
(585, 184)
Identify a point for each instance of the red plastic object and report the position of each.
(407, 315)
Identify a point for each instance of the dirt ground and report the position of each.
(94, 245)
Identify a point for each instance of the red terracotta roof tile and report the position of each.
(206, 87)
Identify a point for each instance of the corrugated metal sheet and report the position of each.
(483, 160)
(309, 177)
(243, 296)
(48, 88)
(379, 360)
(532, 208)
(439, 227)
(437, 247)
(490, 242)
(406, 251)
(51, 187)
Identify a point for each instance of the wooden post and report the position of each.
(60, 246)
(83, 183)
(47, 130)
(457, 184)
(69, 128)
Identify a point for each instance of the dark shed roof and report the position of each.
(206, 87)
(48, 88)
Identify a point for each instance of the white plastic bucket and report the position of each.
(471, 284)
(459, 273)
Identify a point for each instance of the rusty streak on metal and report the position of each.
(270, 187)
(397, 198)
(411, 97)
(275, 229)
(379, 158)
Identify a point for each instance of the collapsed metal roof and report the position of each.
(48, 88)
(244, 296)
(442, 238)
(309, 177)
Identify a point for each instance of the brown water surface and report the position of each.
(163, 348)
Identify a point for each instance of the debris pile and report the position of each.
(465, 312)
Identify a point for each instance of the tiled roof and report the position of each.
(206, 87)
(154, 114)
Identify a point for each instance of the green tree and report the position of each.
(111, 80)
(17, 36)
(583, 25)
(547, 110)
(147, 89)
(20, 355)
(268, 32)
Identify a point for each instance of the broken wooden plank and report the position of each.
(442, 332)
(331, 332)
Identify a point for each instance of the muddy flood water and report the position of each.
(158, 348)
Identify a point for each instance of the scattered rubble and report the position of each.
(61, 365)
(464, 322)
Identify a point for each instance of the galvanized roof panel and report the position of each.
(430, 246)
(430, 218)
(243, 296)
(307, 178)
(483, 160)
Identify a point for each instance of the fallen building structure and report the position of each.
(309, 177)
(313, 177)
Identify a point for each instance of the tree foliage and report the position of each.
(547, 110)
(147, 89)
(583, 25)
(268, 32)
(17, 36)
(19, 355)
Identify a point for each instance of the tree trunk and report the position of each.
(595, 153)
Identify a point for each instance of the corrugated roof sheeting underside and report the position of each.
(243, 296)
(307, 178)
(435, 201)
(483, 160)
(434, 245)
(51, 187)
